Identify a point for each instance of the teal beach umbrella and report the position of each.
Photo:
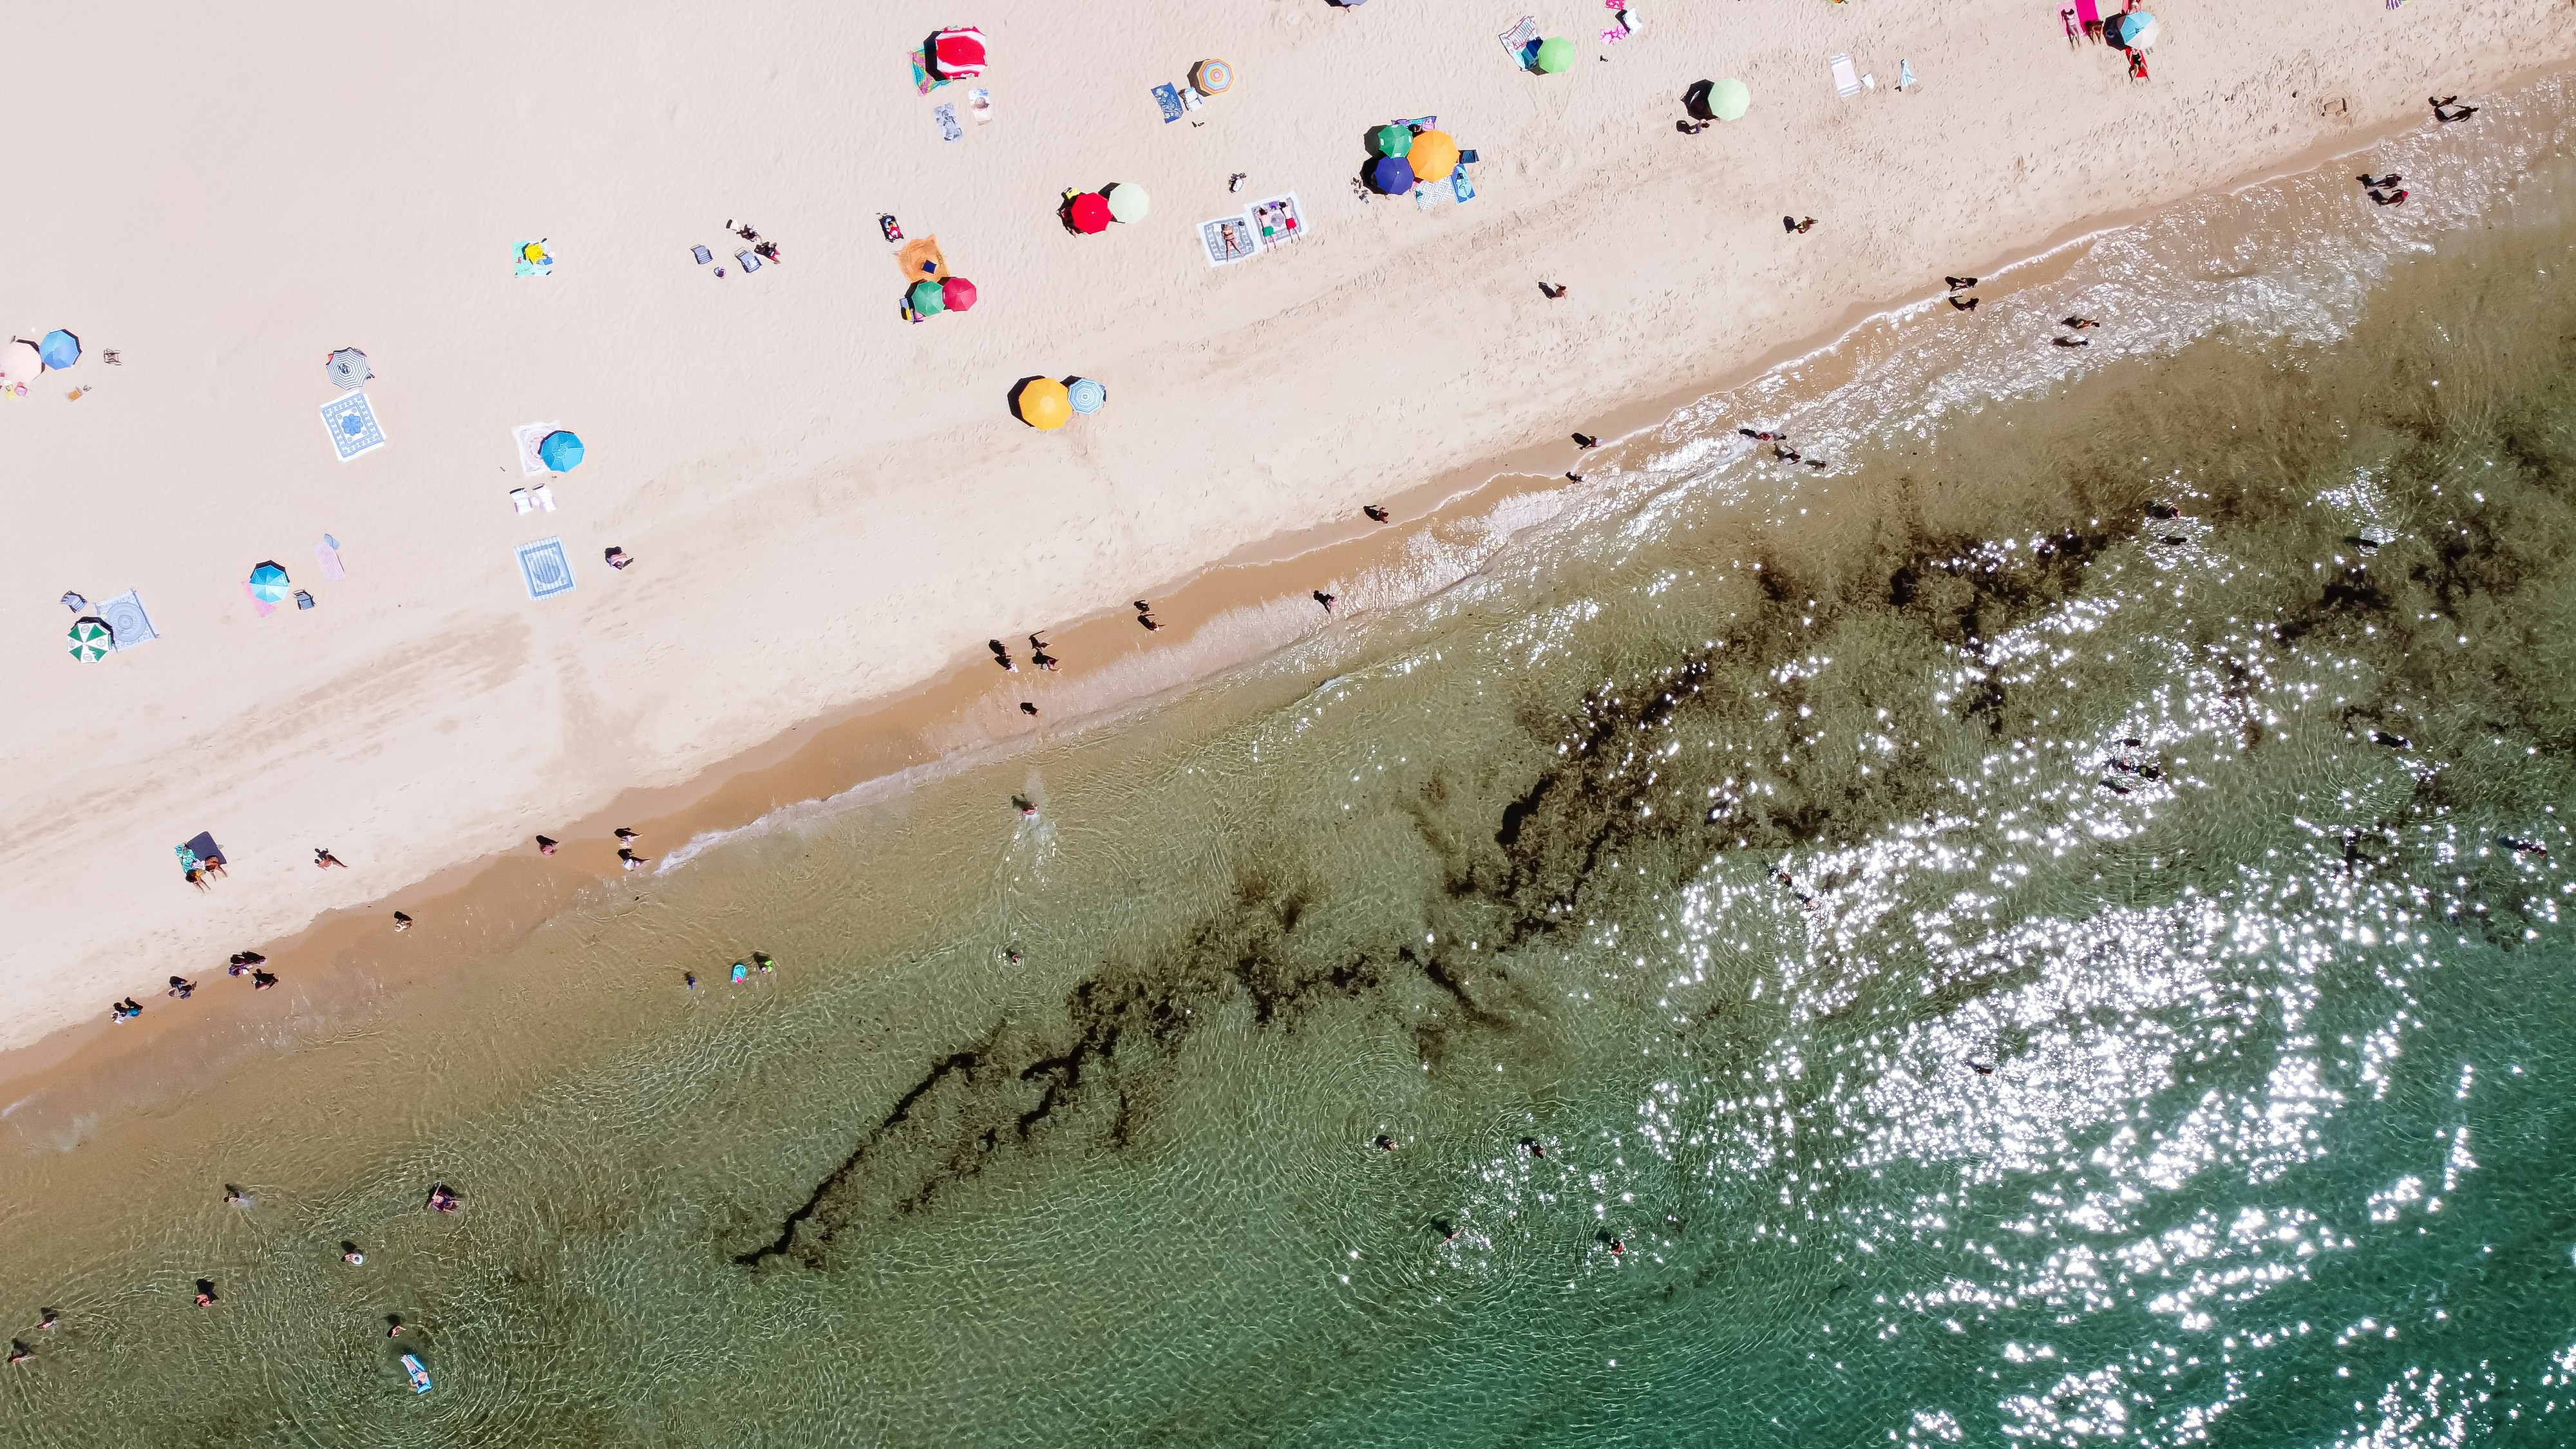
(269, 585)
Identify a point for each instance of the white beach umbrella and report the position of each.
(20, 361)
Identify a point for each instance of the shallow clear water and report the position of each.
(2016, 937)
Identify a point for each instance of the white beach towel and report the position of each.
(525, 437)
(1229, 239)
(127, 624)
(520, 500)
(1846, 76)
(543, 495)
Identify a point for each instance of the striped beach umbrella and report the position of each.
(347, 369)
(1085, 396)
(91, 641)
(1211, 77)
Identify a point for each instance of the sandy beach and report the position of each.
(830, 507)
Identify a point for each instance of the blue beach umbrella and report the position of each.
(268, 584)
(1391, 175)
(59, 350)
(1086, 396)
(560, 451)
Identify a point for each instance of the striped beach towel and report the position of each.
(1846, 76)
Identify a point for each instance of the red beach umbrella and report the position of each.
(958, 293)
(1089, 213)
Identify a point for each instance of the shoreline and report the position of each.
(347, 964)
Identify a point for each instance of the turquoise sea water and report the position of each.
(2043, 931)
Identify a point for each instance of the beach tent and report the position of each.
(926, 298)
(1729, 99)
(1391, 175)
(1433, 155)
(1085, 396)
(1043, 403)
(1392, 140)
(347, 369)
(1555, 54)
(1128, 202)
(91, 640)
(957, 294)
(1088, 212)
(559, 451)
(59, 350)
(957, 53)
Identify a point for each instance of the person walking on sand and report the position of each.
(1799, 225)
(1001, 656)
(1960, 284)
(262, 980)
(2079, 323)
(182, 988)
(1027, 708)
(324, 859)
(1551, 291)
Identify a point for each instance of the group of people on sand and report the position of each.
(627, 859)
(442, 1198)
(249, 963)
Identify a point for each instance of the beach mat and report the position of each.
(1846, 76)
(329, 558)
(127, 623)
(1521, 40)
(922, 260)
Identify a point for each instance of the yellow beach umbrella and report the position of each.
(1044, 403)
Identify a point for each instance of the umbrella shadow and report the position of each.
(1695, 100)
(1020, 387)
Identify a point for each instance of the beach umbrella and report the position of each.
(2139, 30)
(1729, 99)
(1085, 396)
(1128, 202)
(1433, 155)
(20, 361)
(926, 298)
(957, 53)
(958, 293)
(347, 368)
(1391, 175)
(91, 641)
(1044, 404)
(1089, 213)
(559, 451)
(1392, 140)
(59, 350)
(1211, 77)
(268, 584)
(1555, 54)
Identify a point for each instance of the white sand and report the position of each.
(829, 504)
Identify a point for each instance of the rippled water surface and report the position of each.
(2044, 930)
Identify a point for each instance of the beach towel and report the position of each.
(945, 113)
(327, 554)
(543, 495)
(923, 80)
(542, 264)
(351, 421)
(1459, 183)
(127, 624)
(748, 261)
(525, 438)
(545, 568)
(258, 605)
(1905, 75)
(1168, 97)
(1846, 76)
(1279, 220)
(1229, 239)
(922, 260)
(520, 500)
(1521, 40)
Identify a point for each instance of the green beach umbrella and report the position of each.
(1393, 140)
(1729, 99)
(1555, 54)
(927, 299)
(91, 641)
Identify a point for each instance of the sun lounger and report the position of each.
(543, 495)
(520, 500)
(1846, 76)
